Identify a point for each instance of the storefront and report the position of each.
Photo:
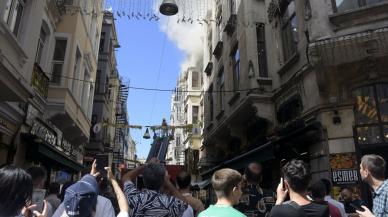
(47, 147)
(371, 123)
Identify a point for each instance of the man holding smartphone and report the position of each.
(297, 177)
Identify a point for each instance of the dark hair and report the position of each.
(318, 190)
(153, 176)
(85, 170)
(15, 190)
(297, 174)
(37, 174)
(375, 164)
(54, 188)
(183, 180)
(63, 189)
(224, 180)
(346, 188)
(327, 184)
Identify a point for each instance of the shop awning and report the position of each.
(49, 156)
(259, 154)
(59, 158)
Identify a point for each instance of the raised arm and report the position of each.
(121, 199)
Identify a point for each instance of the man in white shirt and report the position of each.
(330, 200)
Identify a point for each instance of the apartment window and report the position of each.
(345, 5)
(371, 114)
(41, 46)
(195, 79)
(102, 41)
(178, 141)
(232, 6)
(98, 81)
(85, 94)
(221, 84)
(13, 14)
(290, 110)
(211, 102)
(195, 114)
(77, 69)
(289, 31)
(236, 68)
(68, 2)
(261, 51)
(58, 60)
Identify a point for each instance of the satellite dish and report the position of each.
(97, 128)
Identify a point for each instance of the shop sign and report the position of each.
(344, 169)
(66, 146)
(344, 177)
(45, 134)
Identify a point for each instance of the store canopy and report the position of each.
(259, 154)
(59, 158)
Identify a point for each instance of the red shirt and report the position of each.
(334, 211)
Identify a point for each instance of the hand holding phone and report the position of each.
(358, 208)
(281, 193)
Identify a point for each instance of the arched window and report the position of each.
(371, 114)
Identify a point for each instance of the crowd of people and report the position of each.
(23, 194)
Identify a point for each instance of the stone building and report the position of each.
(49, 59)
(187, 112)
(175, 152)
(295, 79)
(105, 94)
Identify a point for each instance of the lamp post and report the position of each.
(168, 8)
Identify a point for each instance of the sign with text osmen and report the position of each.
(344, 169)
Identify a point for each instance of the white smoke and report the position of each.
(188, 37)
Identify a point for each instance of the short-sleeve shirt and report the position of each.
(311, 210)
(380, 200)
(148, 203)
(221, 211)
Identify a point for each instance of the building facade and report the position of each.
(105, 94)
(50, 47)
(175, 153)
(295, 79)
(187, 112)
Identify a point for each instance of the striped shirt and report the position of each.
(149, 203)
(380, 200)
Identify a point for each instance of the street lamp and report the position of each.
(147, 134)
(168, 7)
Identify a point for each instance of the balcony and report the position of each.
(230, 26)
(209, 68)
(40, 81)
(218, 49)
(358, 13)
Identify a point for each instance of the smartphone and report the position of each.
(38, 196)
(358, 208)
(102, 162)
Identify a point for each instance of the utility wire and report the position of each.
(167, 90)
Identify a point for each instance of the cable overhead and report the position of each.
(168, 90)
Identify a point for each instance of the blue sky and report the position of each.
(138, 60)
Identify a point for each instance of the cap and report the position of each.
(81, 197)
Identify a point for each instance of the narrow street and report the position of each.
(209, 108)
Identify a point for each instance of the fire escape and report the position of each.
(121, 130)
